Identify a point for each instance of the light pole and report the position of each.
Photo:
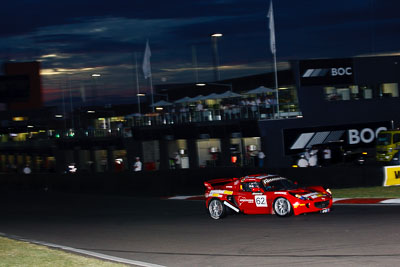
(143, 94)
(95, 76)
(138, 96)
(214, 40)
(219, 84)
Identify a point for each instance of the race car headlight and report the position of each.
(329, 191)
(299, 196)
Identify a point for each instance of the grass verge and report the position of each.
(367, 192)
(18, 253)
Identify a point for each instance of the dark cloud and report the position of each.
(104, 35)
(21, 17)
(102, 45)
(61, 38)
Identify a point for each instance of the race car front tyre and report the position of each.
(216, 209)
(282, 207)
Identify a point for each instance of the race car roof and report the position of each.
(258, 177)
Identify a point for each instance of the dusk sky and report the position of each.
(75, 39)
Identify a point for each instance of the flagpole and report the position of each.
(152, 95)
(270, 15)
(147, 70)
(63, 104)
(70, 101)
(137, 84)
(276, 85)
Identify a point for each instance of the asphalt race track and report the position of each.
(180, 233)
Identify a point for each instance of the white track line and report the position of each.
(180, 197)
(391, 201)
(338, 199)
(84, 252)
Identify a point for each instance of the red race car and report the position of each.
(264, 194)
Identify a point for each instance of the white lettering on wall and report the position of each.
(353, 137)
(366, 135)
(341, 71)
(380, 129)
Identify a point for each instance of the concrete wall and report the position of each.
(184, 181)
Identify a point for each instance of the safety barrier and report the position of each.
(184, 181)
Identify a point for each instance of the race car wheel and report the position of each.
(282, 207)
(216, 209)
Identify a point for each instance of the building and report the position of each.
(347, 100)
(22, 85)
(321, 102)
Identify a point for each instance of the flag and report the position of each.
(146, 61)
(271, 29)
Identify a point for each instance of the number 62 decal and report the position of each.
(261, 201)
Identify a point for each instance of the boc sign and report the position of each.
(366, 135)
(326, 72)
(355, 135)
(341, 71)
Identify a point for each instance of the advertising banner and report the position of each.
(326, 72)
(392, 175)
(350, 136)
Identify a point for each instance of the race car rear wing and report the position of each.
(217, 182)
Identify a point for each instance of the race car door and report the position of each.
(252, 199)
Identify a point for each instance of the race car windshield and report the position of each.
(279, 184)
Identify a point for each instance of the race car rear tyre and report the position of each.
(282, 207)
(216, 209)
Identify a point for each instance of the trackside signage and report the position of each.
(326, 72)
(358, 135)
(392, 175)
(365, 135)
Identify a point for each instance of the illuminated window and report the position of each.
(366, 92)
(357, 92)
(20, 118)
(330, 93)
(390, 90)
(343, 93)
(118, 119)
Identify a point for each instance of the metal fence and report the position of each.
(206, 115)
